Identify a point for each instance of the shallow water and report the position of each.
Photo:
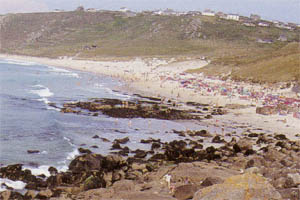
(29, 123)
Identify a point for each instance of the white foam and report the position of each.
(16, 62)
(43, 92)
(44, 152)
(69, 141)
(43, 169)
(54, 69)
(98, 85)
(124, 96)
(73, 154)
(17, 185)
(63, 71)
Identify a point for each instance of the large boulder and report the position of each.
(247, 186)
(185, 192)
(90, 162)
(94, 182)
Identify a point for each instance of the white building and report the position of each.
(208, 13)
(263, 24)
(249, 24)
(233, 17)
(91, 10)
(124, 9)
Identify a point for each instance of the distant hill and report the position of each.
(231, 46)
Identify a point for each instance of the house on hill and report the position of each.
(282, 38)
(124, 9)
(194, 13)
(169, 11)
(249, 24)
(254, 17)
(283, 26)
(234, 17)
(208, 12)
(263, 24)
(91, 10)
(221, 15)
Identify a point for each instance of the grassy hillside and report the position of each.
(230, 45)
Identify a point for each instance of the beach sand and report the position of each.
(150, 77)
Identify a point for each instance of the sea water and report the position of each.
(28, 122)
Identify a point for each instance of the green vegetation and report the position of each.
(230, 45)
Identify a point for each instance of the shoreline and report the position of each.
(193, 164)
(164, 78)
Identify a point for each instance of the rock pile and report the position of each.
(257, 166)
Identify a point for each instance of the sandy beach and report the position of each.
(167, 78)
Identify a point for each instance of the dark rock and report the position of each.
(262, 140)
(82, 150)
(202, 133)
(236, 148)
(253, 135)
(217, 139)
(52, 170)
(158, 156)
(280, 137)
(249, 152)
(33, 151)
(146, 141)
(155, 145)
(140, 153)
(95, 147)
(281, 144)
(15, 173)
(95, 136)
(105, 140)
(87, 162)
(116, 146)
(124, 152)
(94, 182)
(208, 117)
(211, 181)
(122, 141)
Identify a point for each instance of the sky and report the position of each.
(282, 10)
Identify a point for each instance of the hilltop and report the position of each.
(256, 53)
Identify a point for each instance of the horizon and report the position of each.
(268, 10)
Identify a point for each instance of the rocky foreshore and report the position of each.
(255, 166)
(148, 108)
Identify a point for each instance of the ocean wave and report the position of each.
(43, 169)
(52, 108)
(17, 185)
(42, 92)
(72, 155)
(63, 71)
(17, 62)
(124, 96)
